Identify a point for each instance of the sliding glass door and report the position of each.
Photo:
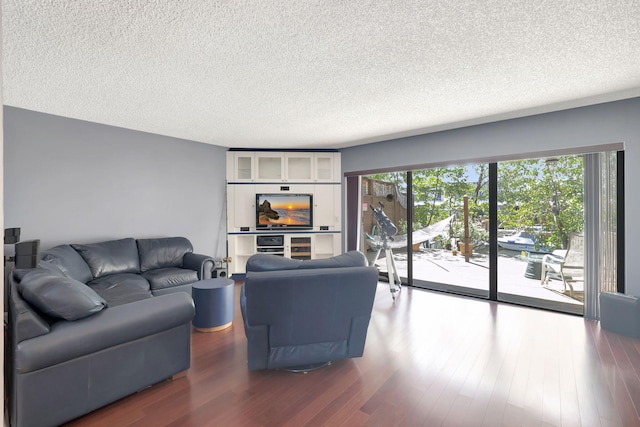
(541, 232)
(558, 227)
(451, 229)
(538, 232)
(442, 227)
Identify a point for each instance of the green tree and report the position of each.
(480, 196)
(542, 195)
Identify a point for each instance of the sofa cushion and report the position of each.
(59, 296)
(162, 252)
(118, 289)
(69, 261)
(169, 277)
(110, 257)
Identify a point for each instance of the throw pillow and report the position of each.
(59, 297)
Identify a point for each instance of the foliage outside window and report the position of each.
(541, 196)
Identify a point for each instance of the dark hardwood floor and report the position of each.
(430, 359)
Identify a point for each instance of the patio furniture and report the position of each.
(568, 267)
(534, 266)
(440, 228)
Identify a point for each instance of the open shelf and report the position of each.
(301, 247)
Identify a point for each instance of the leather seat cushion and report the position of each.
(168, 277)
(118, 289)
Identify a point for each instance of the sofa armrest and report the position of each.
(204, 265)
(108, 328)
(24, 320)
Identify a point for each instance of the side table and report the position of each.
(214, 302)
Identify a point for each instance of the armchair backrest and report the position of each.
(268, 262)
(307, 315)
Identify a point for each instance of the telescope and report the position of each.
(388, 230)
(387, 227)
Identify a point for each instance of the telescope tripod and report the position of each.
(392, 271)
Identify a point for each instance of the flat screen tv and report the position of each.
(275, 211)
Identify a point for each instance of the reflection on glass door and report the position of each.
(386, 194)
(541, 233)
(451, 229)
(447, 240)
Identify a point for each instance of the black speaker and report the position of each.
(220, 273)
(11, 235)
(27, 254)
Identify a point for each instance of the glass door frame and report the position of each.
(354, 212)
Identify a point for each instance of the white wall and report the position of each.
(71, 181)
(575, 129)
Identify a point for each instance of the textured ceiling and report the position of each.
(315, 74)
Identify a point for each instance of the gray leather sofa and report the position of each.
(301, 314)
(97, 322)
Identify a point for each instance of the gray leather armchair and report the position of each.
(300, 314)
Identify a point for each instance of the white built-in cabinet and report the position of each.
(295, 245)
(295, 172)
(274, 166)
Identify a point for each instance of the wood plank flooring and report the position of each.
(431, 359)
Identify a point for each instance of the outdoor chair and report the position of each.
(566, 265)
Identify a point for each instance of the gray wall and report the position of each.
(580, 129)
(71, 181)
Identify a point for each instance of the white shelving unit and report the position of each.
(300, 167)
(273, 172)
(269, 167)
(294, 245)
(275, 166)
(325, 245)
(242, 166)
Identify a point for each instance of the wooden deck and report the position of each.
(447, 272)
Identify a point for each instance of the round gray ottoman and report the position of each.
(214, 303)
